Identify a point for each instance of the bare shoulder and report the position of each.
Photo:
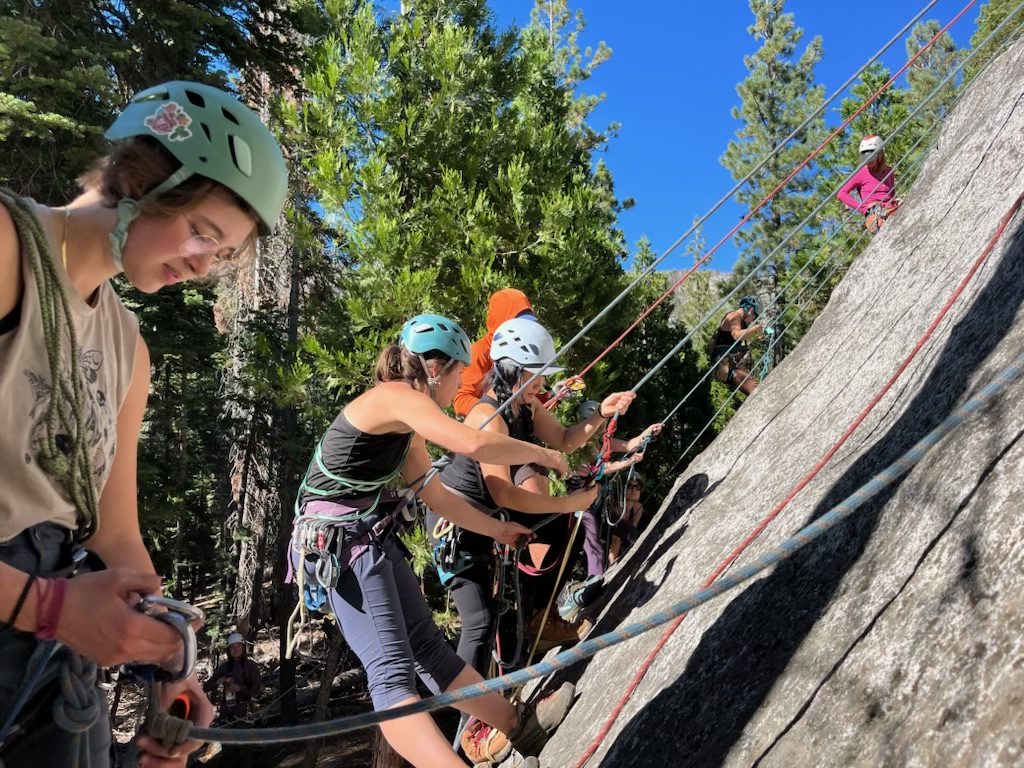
(11, 284)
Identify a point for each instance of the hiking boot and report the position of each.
(556, 632)
(577, 595)
(483, 745)
(538, 721)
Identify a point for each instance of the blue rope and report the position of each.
(588, 648)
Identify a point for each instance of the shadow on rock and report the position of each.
(701, 716)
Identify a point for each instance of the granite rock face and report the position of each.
(897, 640)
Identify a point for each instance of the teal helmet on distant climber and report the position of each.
(753, 304)
(212, 134)
(433, 333)
(428, 333)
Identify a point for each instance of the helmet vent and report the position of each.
(206, 130)
(196, 99)
(229, 116)
(241, 154)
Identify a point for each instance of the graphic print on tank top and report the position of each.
(100, 418)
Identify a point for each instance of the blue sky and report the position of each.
(671, 83)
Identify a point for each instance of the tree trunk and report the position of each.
(324, 698)
(383, 755)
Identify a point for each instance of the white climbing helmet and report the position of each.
(526, 342)
(870, 144)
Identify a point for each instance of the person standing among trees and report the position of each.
(729, 352)
(347, 557)
(238, 678)
(192, 178)
(874, 186)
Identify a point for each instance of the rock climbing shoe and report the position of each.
(557, 632)
(483, 745)
(577, 595)
(537, 721)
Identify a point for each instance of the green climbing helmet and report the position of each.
(752, 303)
(429, 333)
(211, 134)
(587, 409)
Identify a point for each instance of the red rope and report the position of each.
(803, 164)
(649, 661)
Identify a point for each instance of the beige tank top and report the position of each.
(107, 335)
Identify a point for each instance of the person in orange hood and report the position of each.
(503, 305)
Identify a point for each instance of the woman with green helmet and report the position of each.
(191, 178)
(347, 558)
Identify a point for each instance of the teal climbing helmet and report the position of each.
(433, 333)
(752, 303)
(211, 134)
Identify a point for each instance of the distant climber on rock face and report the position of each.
(729, 352)
(874, 185)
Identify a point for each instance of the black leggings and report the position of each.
(471, 591)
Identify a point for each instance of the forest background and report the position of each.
(435, 157)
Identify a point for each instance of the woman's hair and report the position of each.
(396, 363)
(504, 380)
(137, 165)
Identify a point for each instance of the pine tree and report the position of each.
(990, 16)
(925, 74)
(777, 96)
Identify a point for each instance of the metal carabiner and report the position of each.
(178, 615)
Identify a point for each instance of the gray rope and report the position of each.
(711, 211)
(821, 206)
(989, 393)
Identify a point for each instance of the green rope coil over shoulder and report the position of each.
(344, 485)
(66, 411)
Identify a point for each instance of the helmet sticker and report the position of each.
(170, 120)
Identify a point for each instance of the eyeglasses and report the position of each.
(205, 246)
(634, 485)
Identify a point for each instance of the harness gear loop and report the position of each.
(507, 559)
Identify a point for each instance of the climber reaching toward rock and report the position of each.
(874, 185)
(346, 554)
(729, 353)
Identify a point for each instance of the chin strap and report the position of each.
(433, 381)
(128, 209)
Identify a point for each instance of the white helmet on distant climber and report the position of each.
(870, 144)
(526, 342)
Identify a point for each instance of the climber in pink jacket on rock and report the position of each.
(874, 185)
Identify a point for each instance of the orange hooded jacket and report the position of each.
(503, 305)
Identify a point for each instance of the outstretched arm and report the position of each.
(394, 406)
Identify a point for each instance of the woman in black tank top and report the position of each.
(376, 597)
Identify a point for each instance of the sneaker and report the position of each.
(483, 745)
(538, 721)
(577, 595)
(557, 631)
